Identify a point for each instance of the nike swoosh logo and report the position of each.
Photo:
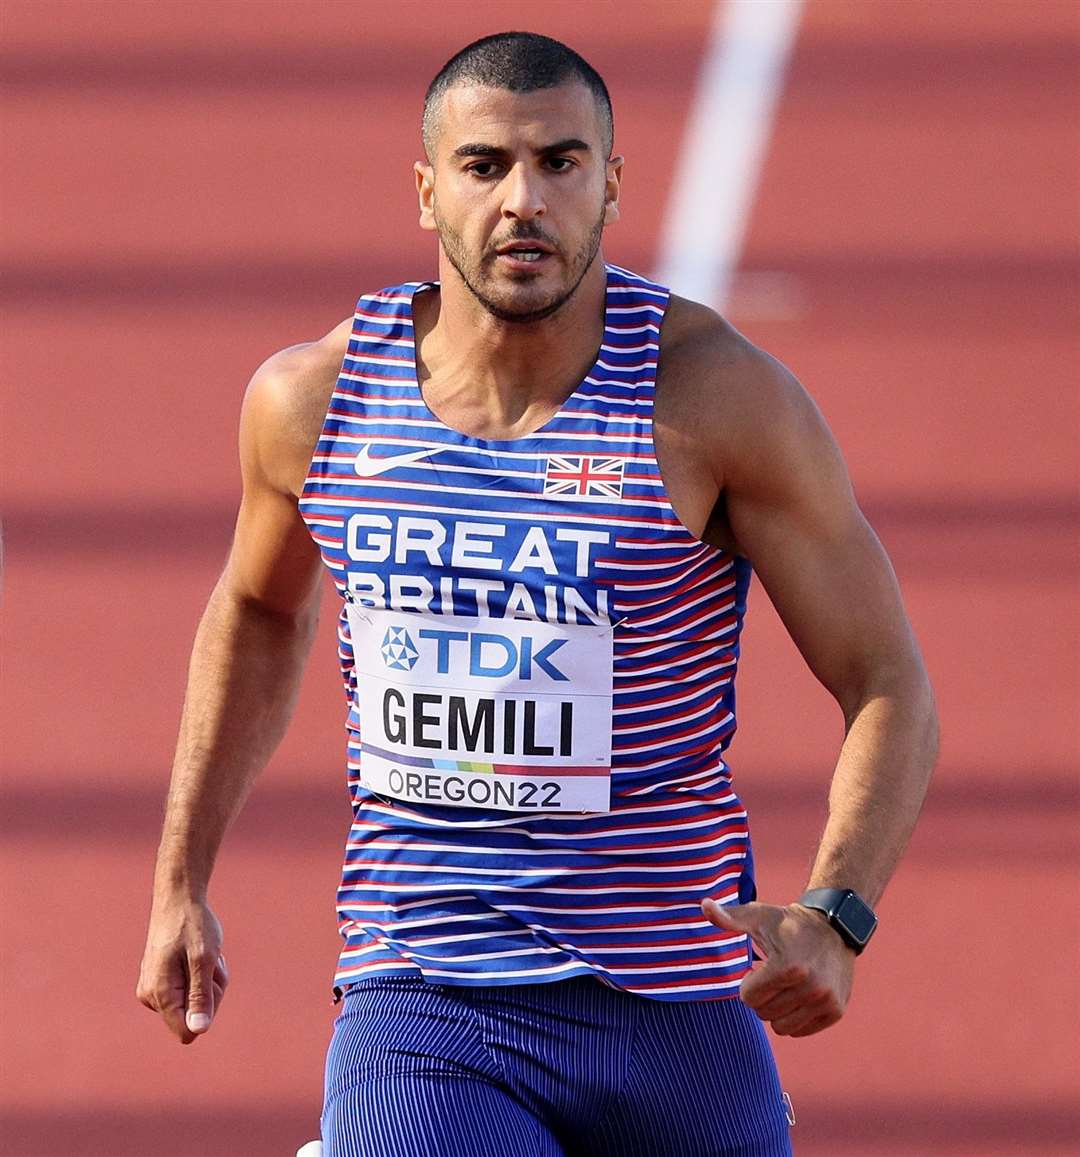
(368, 467)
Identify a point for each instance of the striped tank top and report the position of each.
(539, 661)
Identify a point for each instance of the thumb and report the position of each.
(200, 996)
(734, 917)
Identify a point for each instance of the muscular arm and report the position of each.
(788, 507)
(243, 679)
(792, 511)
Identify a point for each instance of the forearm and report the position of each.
(878, 787)
(243, 681)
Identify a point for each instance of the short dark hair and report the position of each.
(519, 62)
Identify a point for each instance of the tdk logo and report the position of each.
(492, 656)
(398, 649)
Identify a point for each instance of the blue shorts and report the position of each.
(569, 1068)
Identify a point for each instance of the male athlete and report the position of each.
(540, 484)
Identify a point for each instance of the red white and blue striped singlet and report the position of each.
(449, 549)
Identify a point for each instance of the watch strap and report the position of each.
(853, 919)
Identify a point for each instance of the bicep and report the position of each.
(793, 512)
(273, 560)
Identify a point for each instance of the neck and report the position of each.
(502, 378)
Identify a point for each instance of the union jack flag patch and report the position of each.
(599, 476)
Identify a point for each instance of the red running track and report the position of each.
(191, 186)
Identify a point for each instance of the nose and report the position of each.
(523, 198)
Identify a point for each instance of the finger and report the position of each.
(772, 979)
(220, 981)
(822, 1005)
(805, 1022)
(173, 1015)
(783, 1004)
(199, 1009)
(745, 918)
(151, 991)
(790, 999)
(753, 920)
(163, 993)
(816, 1025)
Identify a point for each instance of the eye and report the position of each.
(560, 164)
(483, 169)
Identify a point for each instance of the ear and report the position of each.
(612, 185)
(425, 191)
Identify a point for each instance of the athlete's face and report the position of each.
(519, 189)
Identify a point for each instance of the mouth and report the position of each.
(524, 253)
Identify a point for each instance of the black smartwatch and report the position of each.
(847, 912)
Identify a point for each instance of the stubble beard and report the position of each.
(471, 271)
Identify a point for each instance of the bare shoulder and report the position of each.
(691, 328)
(707, 362)
(285, 405)
(724, 394)
(732, 423)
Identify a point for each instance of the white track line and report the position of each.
(724, 146)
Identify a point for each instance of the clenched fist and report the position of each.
(804, 983)
(183, 974)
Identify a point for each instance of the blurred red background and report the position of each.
(189, 186)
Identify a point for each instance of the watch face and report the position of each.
(857, 918)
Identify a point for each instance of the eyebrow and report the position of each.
(477, 149)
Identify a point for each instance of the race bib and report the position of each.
(507, 714)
